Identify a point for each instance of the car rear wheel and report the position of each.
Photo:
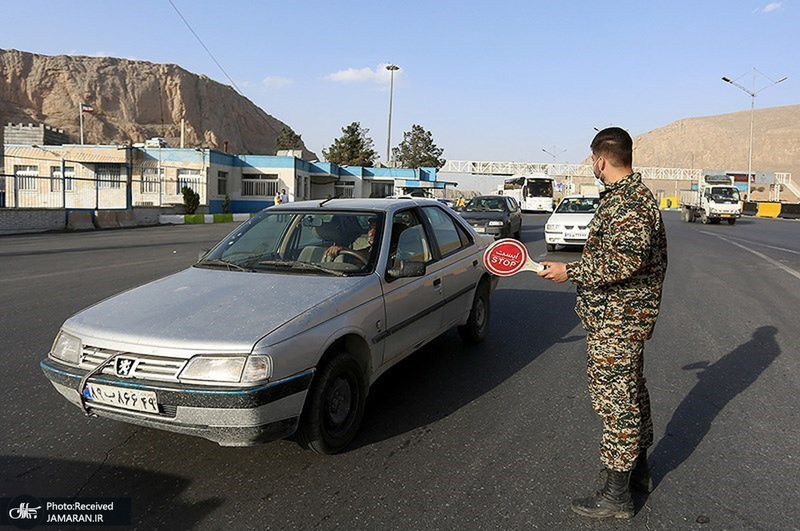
(478, 323)
(334, 406)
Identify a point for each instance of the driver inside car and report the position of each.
(361, 245)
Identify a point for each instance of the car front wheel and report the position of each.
(334, 406)
(478, 322)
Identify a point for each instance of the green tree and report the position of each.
(417, 150)
(288, 139)
(191, 200)
(353, 148)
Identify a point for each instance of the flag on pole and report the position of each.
(86, 108)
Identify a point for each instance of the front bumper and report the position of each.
(228, 416)
(498, 232)
(557, 238)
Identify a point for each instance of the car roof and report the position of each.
(581, 196)
(375, 205)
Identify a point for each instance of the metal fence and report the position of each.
(108, 191)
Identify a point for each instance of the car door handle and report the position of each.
(437, 283)
(474, 263)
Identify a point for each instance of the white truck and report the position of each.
(715, 199)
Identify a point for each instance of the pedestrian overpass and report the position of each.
(565, 172)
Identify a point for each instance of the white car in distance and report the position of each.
(569, 223)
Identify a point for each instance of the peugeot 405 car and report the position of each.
(569, 224)
(496, 215)
(282, 327)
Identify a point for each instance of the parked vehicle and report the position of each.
(715, 199)
(569, 224)
(497, 215)
(283, 326)
(534, 192)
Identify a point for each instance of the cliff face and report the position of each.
(721, 142)
(132, 100)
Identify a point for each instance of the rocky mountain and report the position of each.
(132, 100)
(721, 142)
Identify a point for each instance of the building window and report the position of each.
(108, 175)
(344, 189)
(26, 177)
(151, 181)
(56, 178)
(189, 178)
(222, 183)
(381, 189)
(259, 184)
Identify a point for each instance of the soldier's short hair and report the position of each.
(615, 145)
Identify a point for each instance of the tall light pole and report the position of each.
(752, 94)
(391, 69)
(554, 155)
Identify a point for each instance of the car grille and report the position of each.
(142, 367)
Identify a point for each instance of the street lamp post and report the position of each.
(391, 69)
(752, 94)
(554, 155)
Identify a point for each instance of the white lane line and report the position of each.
(760, 255)
(752, 242)
(82, 270)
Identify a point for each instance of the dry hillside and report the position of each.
(133, 100)
(721, 142)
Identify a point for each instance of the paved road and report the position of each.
(499, 436)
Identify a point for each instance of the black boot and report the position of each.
(640, 475)
(612, 501)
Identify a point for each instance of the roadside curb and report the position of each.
(196, 219)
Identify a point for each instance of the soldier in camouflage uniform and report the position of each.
(619, 281)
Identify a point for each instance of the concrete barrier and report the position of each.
(768, 210)
(126, 219)
(79, 220)
(790, 211)
(106, 219)
(749, 208)
(669, 202)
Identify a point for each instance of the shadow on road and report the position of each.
(156, 497)
(446, 374)
(717, 385)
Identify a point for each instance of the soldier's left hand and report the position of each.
(555, 271)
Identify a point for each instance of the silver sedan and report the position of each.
(283, 326)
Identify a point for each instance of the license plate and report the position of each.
(575, 235)
(727, 215)
(480, 229)
(122, 397)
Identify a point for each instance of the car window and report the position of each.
(445, 230)
(310, 242)
(408, 242)
(482, 204)
(578, 205)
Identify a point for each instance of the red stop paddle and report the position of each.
(508, 257)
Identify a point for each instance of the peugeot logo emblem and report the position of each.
(124, 367)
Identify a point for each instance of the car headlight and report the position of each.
(66, 348)
(496, 223)
(552, 227)
(232, 369)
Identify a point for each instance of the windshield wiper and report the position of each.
(289, 264)
(230, 266)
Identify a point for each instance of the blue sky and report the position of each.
(492, 81)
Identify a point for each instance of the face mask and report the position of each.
(598, 178)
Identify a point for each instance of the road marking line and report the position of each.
(760, 255)
(754, 243)
(82, 270)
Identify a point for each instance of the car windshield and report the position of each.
(486, 204)
(321, 243)
(578, 205)
(540, 188)
(725, 194)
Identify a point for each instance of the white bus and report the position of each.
(532, 192)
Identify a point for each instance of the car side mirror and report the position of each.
(407, 270)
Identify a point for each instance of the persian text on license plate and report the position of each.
(575, 235)
(122, 397)
(480, 229)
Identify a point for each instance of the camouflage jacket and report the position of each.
(621, 271)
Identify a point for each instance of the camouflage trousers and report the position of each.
(620, 397)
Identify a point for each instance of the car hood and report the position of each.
(204, 310)
(480, 216)
(570, 220)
